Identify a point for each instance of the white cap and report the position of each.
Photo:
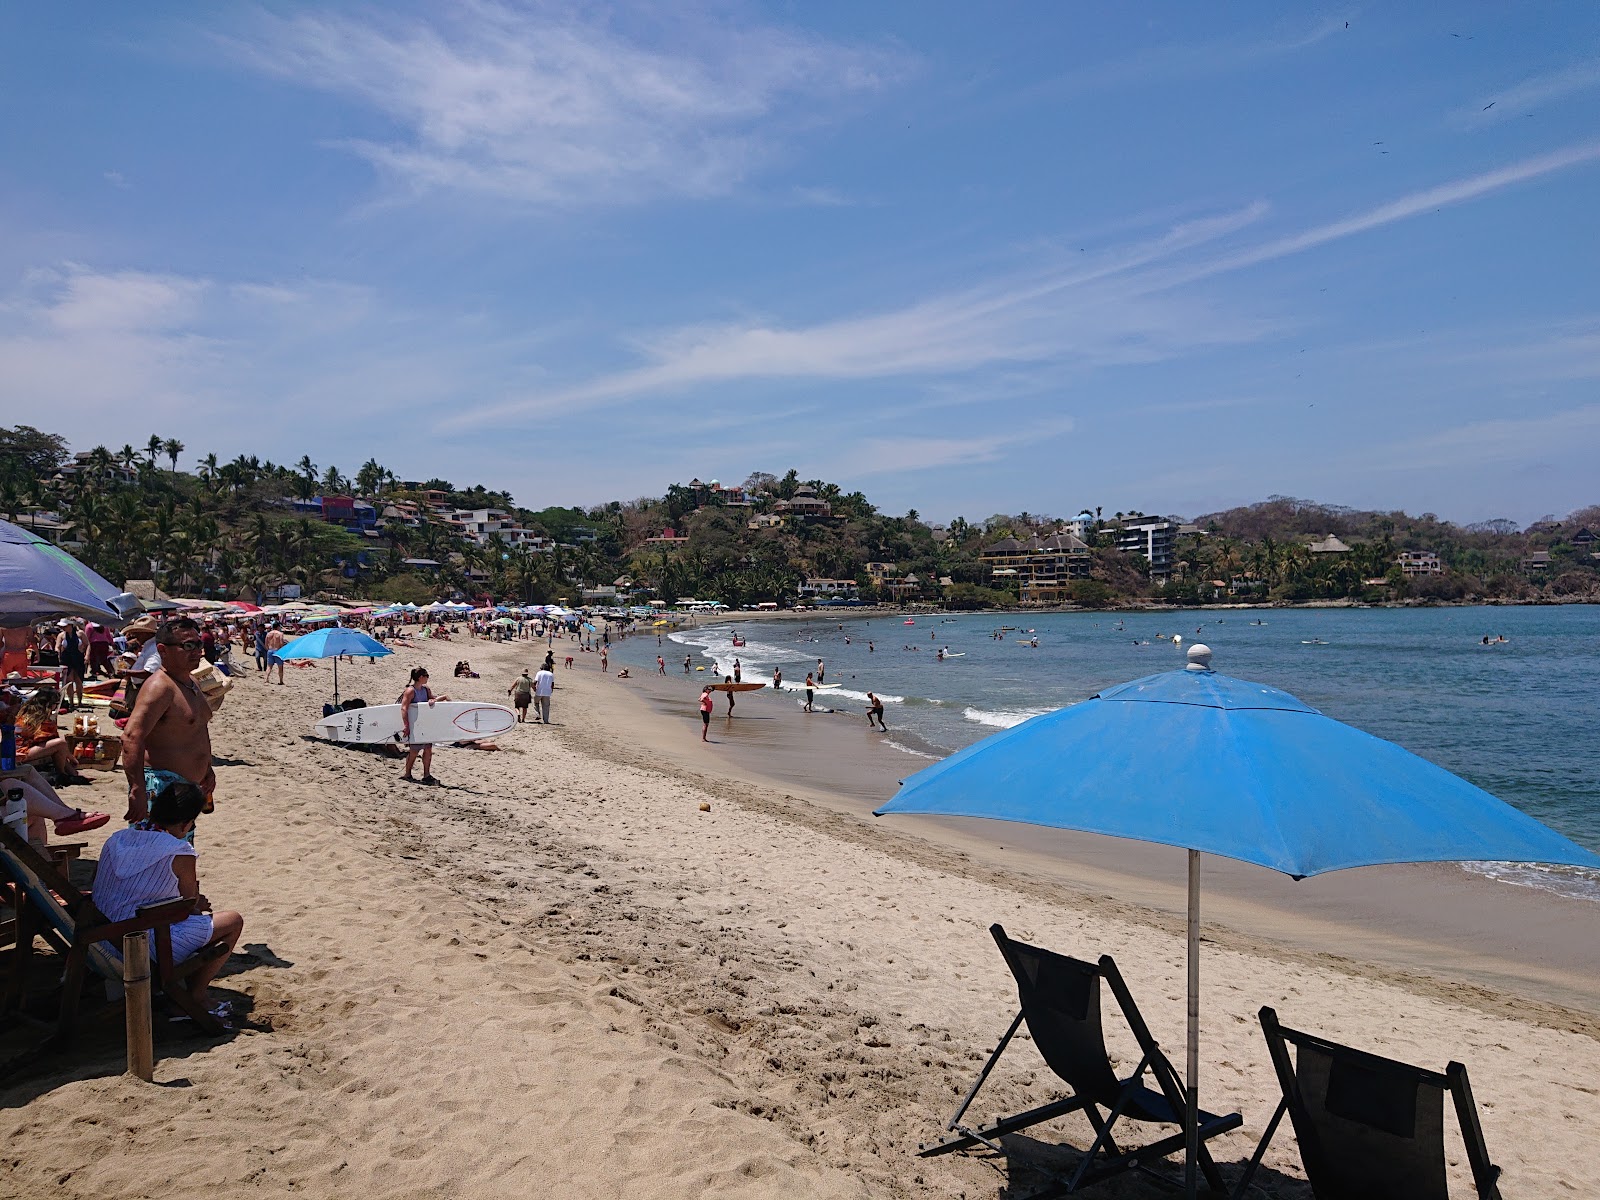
(1199, 657)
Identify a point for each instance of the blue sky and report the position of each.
(967, 258)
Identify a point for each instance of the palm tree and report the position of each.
(208, 468)
(172, 447)
(126, 455)
(369, 479)
(153, 448)
(100, 463)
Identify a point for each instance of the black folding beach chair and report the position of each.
(1061, 1003)
(1370, 1128)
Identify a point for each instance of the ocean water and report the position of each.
(1518, 718)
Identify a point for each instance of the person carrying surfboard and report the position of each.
(417, 692)
(729, 680)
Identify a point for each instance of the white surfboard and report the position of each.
(446, 721)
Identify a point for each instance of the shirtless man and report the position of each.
(276, 640)
(168, 734)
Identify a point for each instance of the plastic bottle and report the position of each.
(16, 810)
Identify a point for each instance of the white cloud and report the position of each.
(104, 349)
(553, 106)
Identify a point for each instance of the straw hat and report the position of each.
(145, 624)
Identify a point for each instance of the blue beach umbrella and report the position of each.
(1205, 762)
(331, 643)
(39, 581)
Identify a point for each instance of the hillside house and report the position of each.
(1420, 562)
(805, 504)
(1043, 568)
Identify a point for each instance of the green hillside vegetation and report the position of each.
(231, 529)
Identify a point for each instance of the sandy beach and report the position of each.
(559, 974)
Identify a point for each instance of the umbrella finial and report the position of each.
(1199, 657)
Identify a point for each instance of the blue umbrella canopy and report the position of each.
(331, 643)
(39, 581)
(1206, 762)
(1202, 761)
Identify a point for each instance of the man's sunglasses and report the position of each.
(191, 647)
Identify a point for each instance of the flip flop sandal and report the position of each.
(81, 822)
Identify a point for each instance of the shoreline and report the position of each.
(1441, 924)
(1130, 606)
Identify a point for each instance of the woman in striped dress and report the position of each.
(149, 862)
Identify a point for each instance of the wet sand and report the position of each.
(1442, 921)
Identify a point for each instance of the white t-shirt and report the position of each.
(149, 658)
(543, 683)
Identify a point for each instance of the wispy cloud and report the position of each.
(1176, 62)
(1124, 307)
(893, 455)
(1501, 440)
(1404, 208)
(553, 106)
(1531, 93)
(1093, 313)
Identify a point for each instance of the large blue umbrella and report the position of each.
(331, 643)
(39, 581)
(1202, 761)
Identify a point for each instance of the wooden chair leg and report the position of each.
(72, 991)
(22, 960)
(167, 978)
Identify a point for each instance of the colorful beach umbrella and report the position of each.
(331, 643)
(40, 581)
(1205, 762)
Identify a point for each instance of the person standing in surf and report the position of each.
(875, 711)
(810, 692)
(822, 673)
(729, 681)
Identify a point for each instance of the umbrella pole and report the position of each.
(336, 682)
(1191, 1121)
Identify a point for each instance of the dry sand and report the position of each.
(557, 975)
